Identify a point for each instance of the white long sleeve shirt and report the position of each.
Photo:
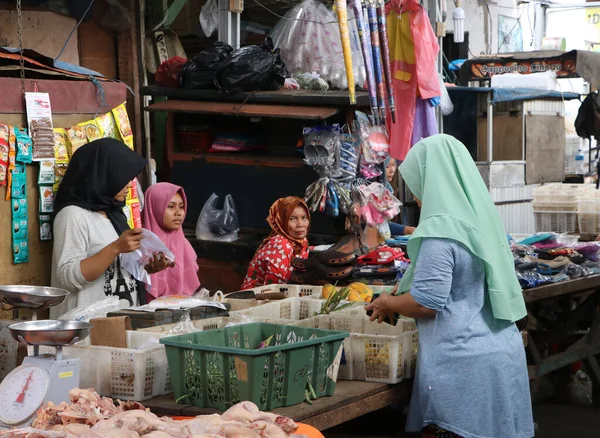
(79, 234)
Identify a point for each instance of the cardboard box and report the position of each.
(110, 332)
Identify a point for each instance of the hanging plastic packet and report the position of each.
(332, 203)
(19, 182)
(92, 132)
(77, 138)
(61, 144)
(19, 229)
(321, 144)
(4, 151)
(122, 121)
(107, 126)
(46, 175)
(24, 147)
(349, 158)
(45, 227)
(46, 199)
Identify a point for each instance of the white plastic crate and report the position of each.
(556, 222)
(550, 194)
(291, 290)
(288, 309)
(122, 373)
(200, 324)
(589, 213)
(374, 352)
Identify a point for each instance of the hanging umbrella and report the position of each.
(385, 51)
(365, 39)
(342, 16)
(372, 12)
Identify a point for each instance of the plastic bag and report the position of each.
(358, 62)
(135, 262)
(580, 389)
(220, 225)
(311, 81)
(252, 68)
(98, 309)
(309, 39)
(184, 326)
(445, 104)
(200, 72)
(209, 17)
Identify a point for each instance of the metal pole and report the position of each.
(490, 129)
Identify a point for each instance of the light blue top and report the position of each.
(471, 377)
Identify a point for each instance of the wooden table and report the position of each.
(581, 307)
(351, 400)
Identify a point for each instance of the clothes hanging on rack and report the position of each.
(413, 52)
(425, 124)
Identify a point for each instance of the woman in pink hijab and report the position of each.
(163, 214)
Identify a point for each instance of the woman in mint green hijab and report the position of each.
(471, 378)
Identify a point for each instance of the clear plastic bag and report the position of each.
(184, 325)
(220, 225)
(98, 309)
(135, 262)
(309, 40)
(445, 102)
(311, 81)
(209, 17)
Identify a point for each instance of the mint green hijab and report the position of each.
(456, 205)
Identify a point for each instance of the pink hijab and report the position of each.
(182, 279)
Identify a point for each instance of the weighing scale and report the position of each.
(41, 378)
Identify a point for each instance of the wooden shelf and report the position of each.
(242, 159)
(284, 97)
(244, 109)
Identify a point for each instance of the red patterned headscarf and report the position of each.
(279, 216)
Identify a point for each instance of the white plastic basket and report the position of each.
(589, 213)
(293, 309)
(200, 324)
(122, 373)
(373, 352)
(291, 290)
(557, 193)
(556, 222)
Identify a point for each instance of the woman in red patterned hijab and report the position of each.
(289, 219)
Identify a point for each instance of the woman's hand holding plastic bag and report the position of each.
(151, 257)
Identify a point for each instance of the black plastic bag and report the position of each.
(252, 68)
(200, 72)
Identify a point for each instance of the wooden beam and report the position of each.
(128, 50)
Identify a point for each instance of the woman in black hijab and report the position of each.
(90, 227)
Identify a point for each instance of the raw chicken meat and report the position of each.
(92, 416)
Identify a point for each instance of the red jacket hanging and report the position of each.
(413, 53)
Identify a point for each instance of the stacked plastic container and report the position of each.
(589, 212)
(555, 207)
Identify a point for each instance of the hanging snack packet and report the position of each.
(42, 137)
(92, 132)
(122, 121)
(61, 144)
(12, 153)
(19, 208)
(19, 182)
(24, 147)
(19, 229)
(46, 199)
(77, 138)
(46, 175)
(60, 168)
(108, 127)
(4, 148)
(20, 251)
(45, 227)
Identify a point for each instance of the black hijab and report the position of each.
(98, 171)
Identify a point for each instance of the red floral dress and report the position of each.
(273, 263)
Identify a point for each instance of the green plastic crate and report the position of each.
(219, 368)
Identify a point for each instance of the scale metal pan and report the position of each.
(49, 332)
(31, 297)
